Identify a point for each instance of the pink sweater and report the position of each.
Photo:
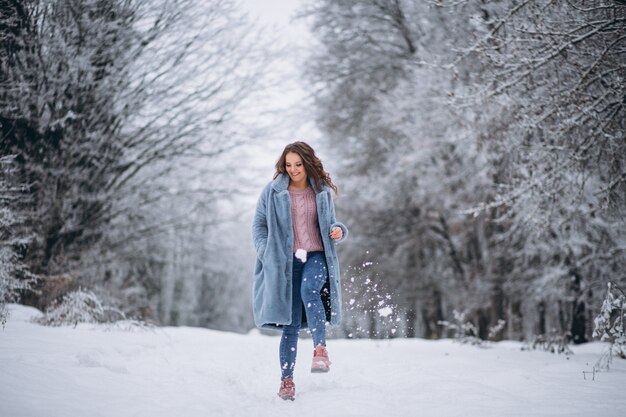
(306, 228)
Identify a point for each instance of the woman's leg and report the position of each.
(288, 349)
(314, 276)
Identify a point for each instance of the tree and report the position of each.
(101, 101)
(482, 134)
(558, 64)
(14, 277)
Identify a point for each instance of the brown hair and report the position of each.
(312, 164)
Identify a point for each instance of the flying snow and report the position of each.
(385, 311)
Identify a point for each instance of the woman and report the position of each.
(296, 278)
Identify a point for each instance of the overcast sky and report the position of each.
(278, 12)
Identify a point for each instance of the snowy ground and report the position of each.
(185, 372)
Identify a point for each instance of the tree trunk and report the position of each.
(411, 318)
(579, 316)
(541, 308)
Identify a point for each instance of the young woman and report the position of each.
(296, 278)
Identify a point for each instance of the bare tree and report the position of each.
(559, 67)
(102, 102)
(485, 143)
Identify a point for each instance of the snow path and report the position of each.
(186, 372)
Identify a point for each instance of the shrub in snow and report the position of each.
(609, 325)
(79, 307)
(10, 285)
(553, 343)
(495, 331)
(463, 330)
(129, 325)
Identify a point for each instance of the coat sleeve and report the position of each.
(259, 226)
(334, 222)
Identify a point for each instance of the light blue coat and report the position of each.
(273, 237)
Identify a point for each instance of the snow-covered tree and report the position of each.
(485, 143)
(109, 107)
(560, 159)
(14, 276)
(609, 324)
(384, 97)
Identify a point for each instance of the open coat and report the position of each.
(273, 237)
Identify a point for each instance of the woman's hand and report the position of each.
(336, 233)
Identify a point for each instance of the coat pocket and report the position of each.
(260, 251)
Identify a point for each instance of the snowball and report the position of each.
(352, 301)
(301, 254)
(385, 311)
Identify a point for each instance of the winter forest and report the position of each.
(479, 148)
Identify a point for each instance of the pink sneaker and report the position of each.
(321, 363)
(287, 389)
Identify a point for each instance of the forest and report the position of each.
(479, 148)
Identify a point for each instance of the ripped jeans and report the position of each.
(307, 282)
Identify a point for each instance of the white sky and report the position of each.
(278, 12)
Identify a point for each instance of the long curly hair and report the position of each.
(312, 164)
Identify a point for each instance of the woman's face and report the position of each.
(295, 168)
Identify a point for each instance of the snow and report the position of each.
(301, 254)
(385, 311)
(91, 370)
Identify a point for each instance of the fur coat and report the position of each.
(273, 237)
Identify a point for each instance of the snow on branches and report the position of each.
(489, 137)
(80, 306)
(609, 325)
(116, 112)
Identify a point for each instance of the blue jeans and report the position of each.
(307, 282)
